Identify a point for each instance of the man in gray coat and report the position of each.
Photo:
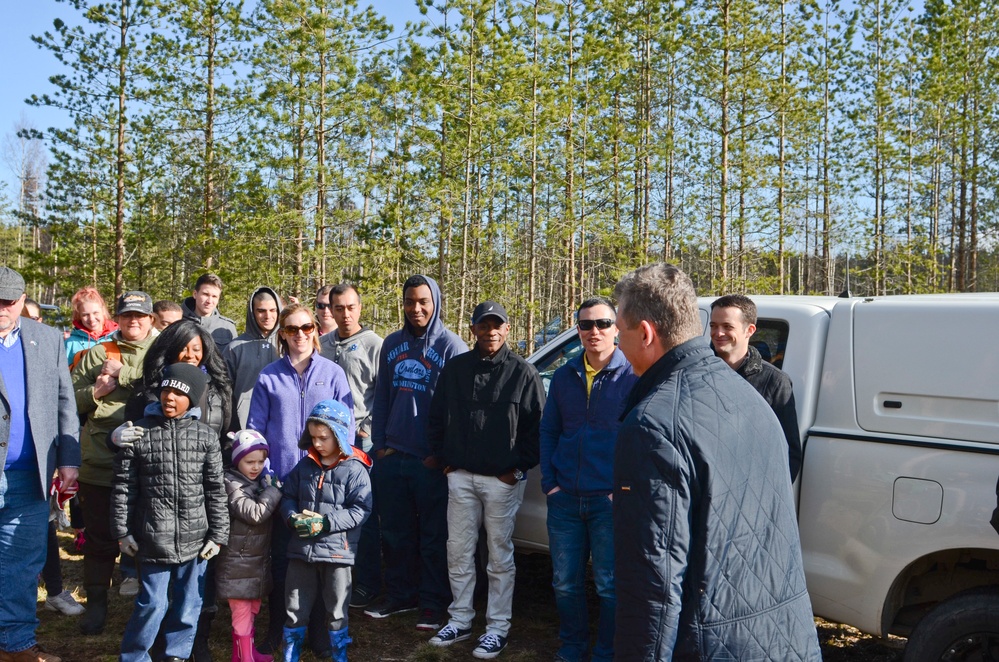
(202, 307)
(38, 435)
(253, 350)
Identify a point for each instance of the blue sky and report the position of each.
(26, 67)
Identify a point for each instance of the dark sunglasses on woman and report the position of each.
(291, 330)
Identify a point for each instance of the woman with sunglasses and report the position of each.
(285, 393)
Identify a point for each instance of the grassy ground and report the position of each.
(533, 638)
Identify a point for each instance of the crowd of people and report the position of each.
(309, 465)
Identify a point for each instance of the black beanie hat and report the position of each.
(187, 379)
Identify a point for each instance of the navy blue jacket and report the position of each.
(578, 437)
(707, 558)
(341, 493)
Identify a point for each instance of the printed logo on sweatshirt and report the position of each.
(410, 374)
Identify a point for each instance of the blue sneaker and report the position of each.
(490, 645)
(448, 635)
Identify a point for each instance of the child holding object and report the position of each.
(244, 574)
(169, 510)
(327, 496)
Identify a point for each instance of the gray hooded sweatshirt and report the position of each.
(247, 355)
(222, 329)
(358, 356)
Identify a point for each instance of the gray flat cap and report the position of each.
(11, 284)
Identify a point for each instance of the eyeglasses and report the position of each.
(291, 330)
(322, 306)
(587, 325)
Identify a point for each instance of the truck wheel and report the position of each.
(965, 627)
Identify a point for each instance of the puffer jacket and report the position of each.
(578, 434)
(775, 386)
(707, 558)
(244, 569)
(105, 414)
(341, 493)
(168, 492)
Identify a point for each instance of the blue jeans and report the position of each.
(24, 523)
(154, 606)
(577, 528)
(412, 501)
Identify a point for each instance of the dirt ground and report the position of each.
(534, 636)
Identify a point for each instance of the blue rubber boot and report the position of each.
(293, 638)
(339, 640)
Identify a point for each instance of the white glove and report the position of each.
(127, 545)
(127, 434)
(209, 551)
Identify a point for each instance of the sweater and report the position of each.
(358, 356)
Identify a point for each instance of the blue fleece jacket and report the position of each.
(578, 437)
(281, 402)
(408, 369)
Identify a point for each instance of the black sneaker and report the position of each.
(430, 620)
(361, 597)
(387, 606)
(448, 635)
(489, 646)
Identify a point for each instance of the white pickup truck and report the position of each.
(898, 406)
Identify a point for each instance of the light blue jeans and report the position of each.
(178, 613)
(24, 523)
(579, 527)
(474, 500)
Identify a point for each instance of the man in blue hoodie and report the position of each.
(410, 490)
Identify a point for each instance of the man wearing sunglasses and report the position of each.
(324, 310)
(578, 435)
(38, 436)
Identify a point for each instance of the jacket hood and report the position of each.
(252, 329)
(436, 326)
(110, 326)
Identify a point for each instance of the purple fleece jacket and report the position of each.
(282, 400)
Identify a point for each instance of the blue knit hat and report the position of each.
(337, 417)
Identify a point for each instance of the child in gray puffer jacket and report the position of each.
(327, 496)
(244, 574)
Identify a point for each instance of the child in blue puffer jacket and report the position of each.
(326, 498)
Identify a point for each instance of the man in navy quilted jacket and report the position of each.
(707, 555)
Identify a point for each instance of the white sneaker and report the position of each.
(129, 587)
(64, 603)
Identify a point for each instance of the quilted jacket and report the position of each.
(168, 490)
(244, 569)
(341, 493)
(707, 555)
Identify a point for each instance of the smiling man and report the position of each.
(483, 430)
(202, 307)
(578, 435)
(410, 491)
(733, 323)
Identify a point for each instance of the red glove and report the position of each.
(62, 494)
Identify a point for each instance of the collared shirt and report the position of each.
(591, 374)
(11, 338)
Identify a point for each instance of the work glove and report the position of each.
(308, 524)
(128, 546)
(270, 480)
(209, 551)
(127, 434)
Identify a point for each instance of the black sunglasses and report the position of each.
(322, 306)
(587, 325)
(291, 330)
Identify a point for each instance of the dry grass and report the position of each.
(534, 637)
